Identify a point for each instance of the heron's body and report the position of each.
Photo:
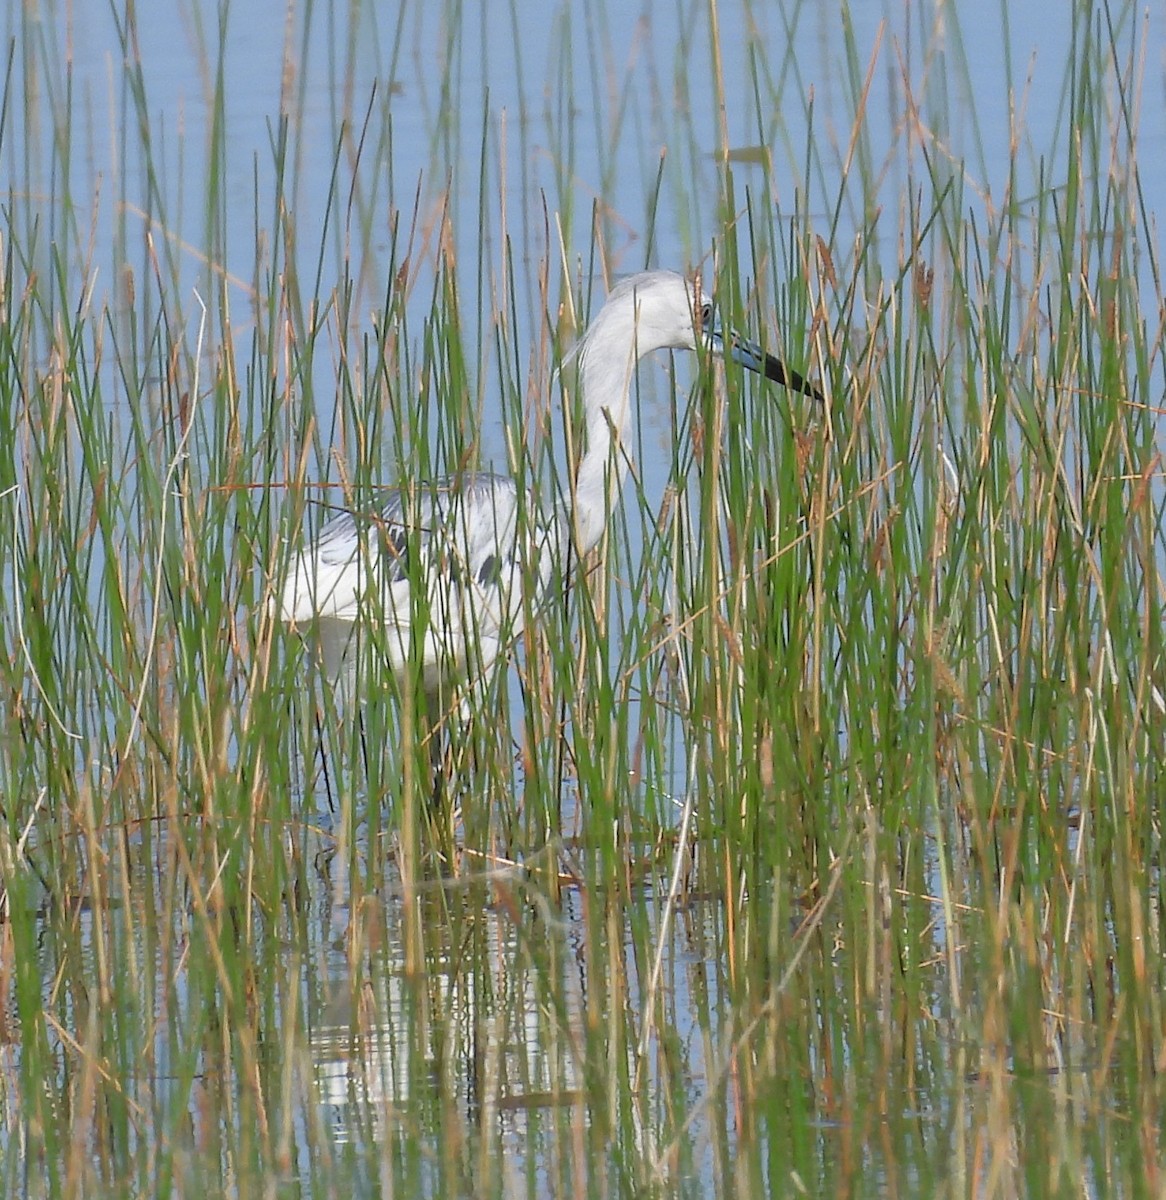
(439, 567)
(457, 539)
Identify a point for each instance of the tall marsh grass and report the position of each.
(808, 842)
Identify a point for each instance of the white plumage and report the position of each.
(456, 537)
(441, 562)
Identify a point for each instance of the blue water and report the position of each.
(583, 107)
(579, 104)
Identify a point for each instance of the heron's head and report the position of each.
(669, 312)
(664, 310)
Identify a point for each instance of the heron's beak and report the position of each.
(751, 356)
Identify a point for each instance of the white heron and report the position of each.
(440, 565)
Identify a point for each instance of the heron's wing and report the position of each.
(438, 535)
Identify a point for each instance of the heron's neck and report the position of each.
(606, 381)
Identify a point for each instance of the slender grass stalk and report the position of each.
(807, 838)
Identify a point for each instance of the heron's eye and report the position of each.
(706, 315)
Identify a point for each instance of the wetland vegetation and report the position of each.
(809, 843)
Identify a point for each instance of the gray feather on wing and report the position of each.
(465, 524)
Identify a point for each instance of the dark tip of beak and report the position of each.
(776, 370)
(750, 355)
